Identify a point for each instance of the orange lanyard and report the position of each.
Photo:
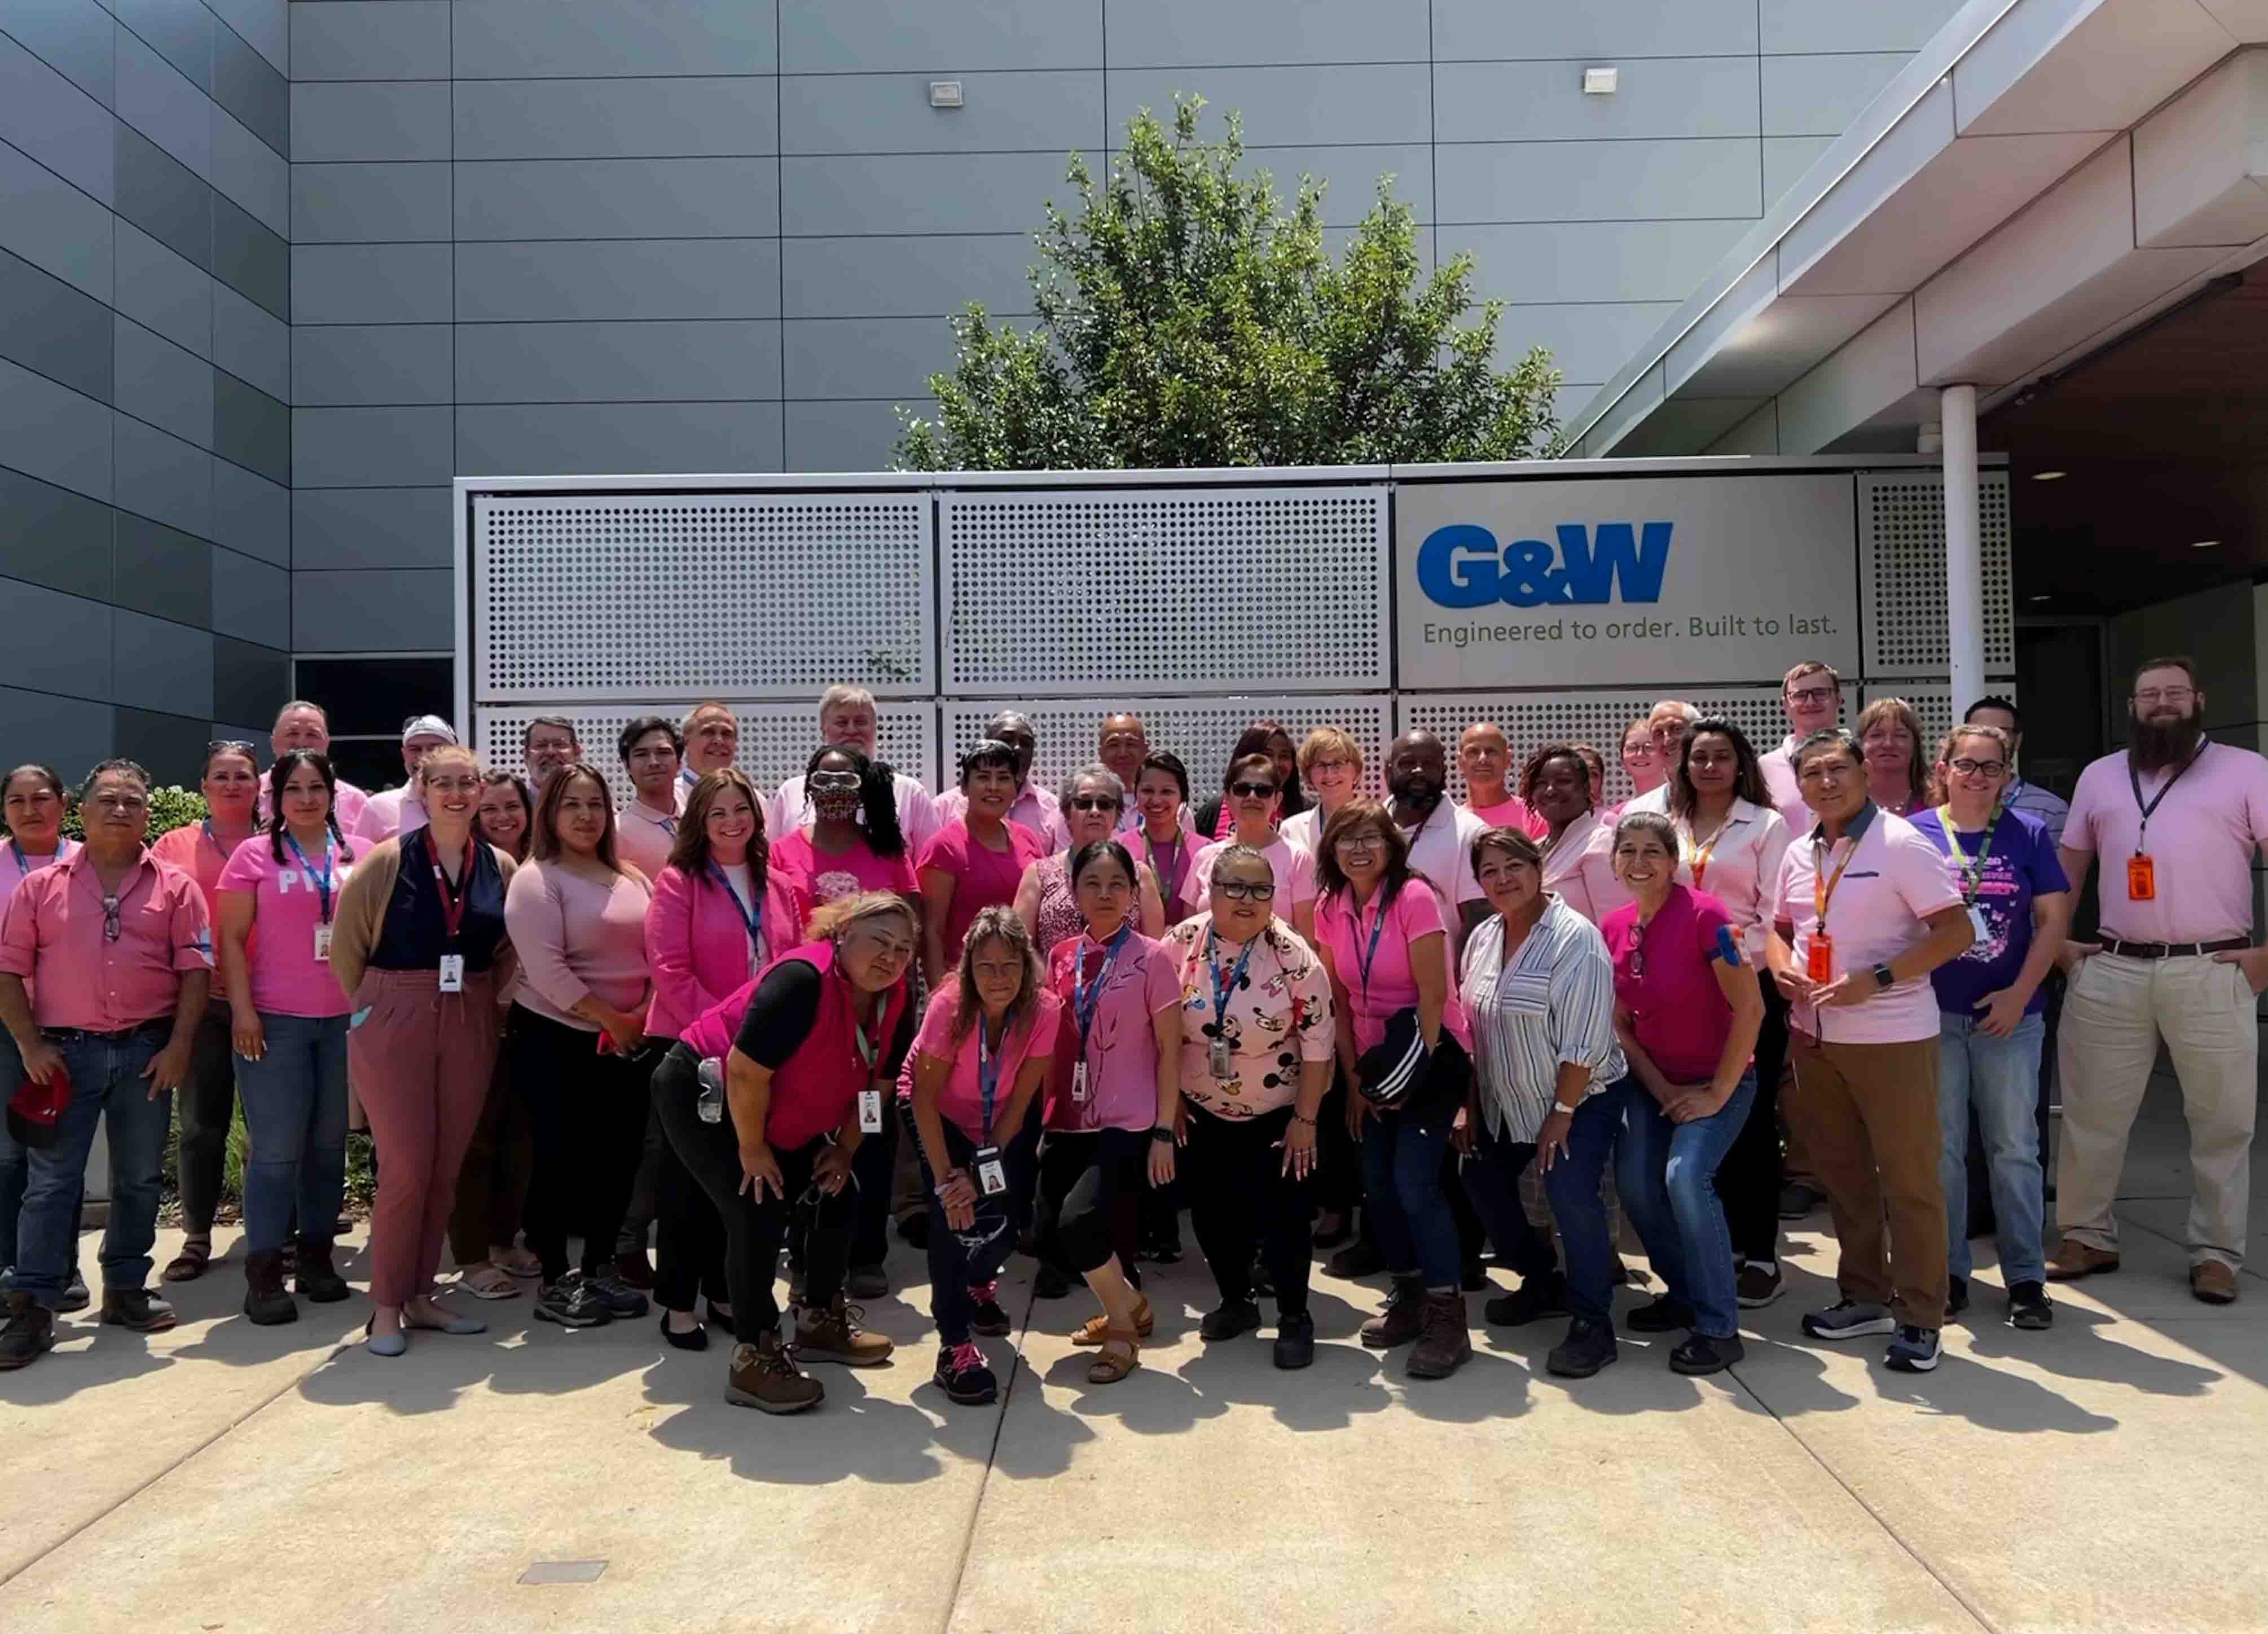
(1699, 859)
(1822, 887)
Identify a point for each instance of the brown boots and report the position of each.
(1403, 1320)
(765, 1376)
(1446, 1343)
(835, 1335)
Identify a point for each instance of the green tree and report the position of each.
(1186, 320)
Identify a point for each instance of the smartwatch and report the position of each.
(1162, 1132)
(1883, 977)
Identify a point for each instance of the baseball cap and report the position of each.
(428, 726)
(33, 1109)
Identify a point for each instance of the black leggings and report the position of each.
(954, 1265)
(1088, 1186)
(688, 1261)
(754, 1229)
(1241, 1200)
(1748, 1180)
(587, 1112)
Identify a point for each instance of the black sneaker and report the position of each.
(2028, 1306)
(1956, 1295)
(1849, 1319)
(1663, 1315)
(1914, 1350)
(1589, 1346)
(1234, 1317)
(990, 1320)
(1701, 1354)
(621, 1300)
(1295, 1340)
(1537, 1297)
(573, 1301)
(963, 1376)
(30, 1333)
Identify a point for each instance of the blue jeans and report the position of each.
(295, 1123)
(1572, 1185)
(1402, 1191)
(1668, 1176)
(107, 1084)
(2000, 1077)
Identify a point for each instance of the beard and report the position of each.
(1416, 791)
(2157, 744)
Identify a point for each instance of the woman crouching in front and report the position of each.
(765, 1099)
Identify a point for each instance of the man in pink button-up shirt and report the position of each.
(118, 949)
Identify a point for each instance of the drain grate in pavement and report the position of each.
(564, 1572)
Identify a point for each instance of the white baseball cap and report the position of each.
(428, 726)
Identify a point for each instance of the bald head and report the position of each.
(1124, 745)
(1485, 756)
(1416, 774)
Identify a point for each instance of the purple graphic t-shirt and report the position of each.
(2022, 865)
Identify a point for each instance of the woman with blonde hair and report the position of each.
(1888, 731)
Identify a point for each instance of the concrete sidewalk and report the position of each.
(2103, 1475)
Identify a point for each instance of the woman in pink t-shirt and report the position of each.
(1162, 839)
(854, 843)
(978, 860)
(1114, 1098)
(1254, 799)
(974, 1068)
(289, 1025)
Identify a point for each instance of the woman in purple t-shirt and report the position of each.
(1687, 1011)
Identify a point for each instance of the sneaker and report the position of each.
(1589, 1346)
(622, 1301)
(963, 1376)
(833, 1335)
(138, 1308)
(1848, 1318)
(1665, 1314)
(573, 1301)
(1050, 1284)
(2028, 1306)
(1403, 1320)
(1956, 1296)
(1914, 1350)
(867, 1282)
(990, 1320)
(635, 1270)
(1295, 1340)
(1357, 1259)
(1797, 1200)
(1701, 1354)
(1759, 1284)
(29, 1335)
(76, 1295)
(1234, 1317)
(765, 1376)
(1537, 1297)
(1446, 1343)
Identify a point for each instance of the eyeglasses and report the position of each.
(453, 785)
(832, 782)
(1093, 803)
(1244, 890)
(111, 927)
(1252, 791)
(1968, 767)
(1810, 694)
(1332, 765)
(2169, 695)
(1357, 844)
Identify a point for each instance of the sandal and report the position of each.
(190, 1263)
(489, 1282)
(1096, 1328)
(1119, 1355)
(521, 1263)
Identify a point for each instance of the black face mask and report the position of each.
(1419, 790)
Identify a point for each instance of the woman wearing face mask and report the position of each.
(838, 855)
(976, 861)
(979, 1059)
(230, 785)
(765, 1099)
(1255, 798)
(32, 806)
(1897, 779)
(1162, 840)
(1257, 1046)
(1113, 1097)
(1729, 844)
(1217, 817)
(289, 1022)
(1687, 1011)
(1092, 800)
(1579, 861)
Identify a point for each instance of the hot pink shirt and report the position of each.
(1034, 808)
(187, 849)
(577, 938)
(287, 978)
(696, 945)
(54, 933)
(643, 837)
(1666, 979)
(1121, 1051)
(982, 878)
(819, 878)
(1391, 983)
(1894, 879)
(1512, 812)
(17, 865)
(961, 1102)
(1295, 876)
(2202, 839)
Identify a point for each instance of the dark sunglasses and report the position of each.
(1252, 791)
(1093, 803)
(233, 745)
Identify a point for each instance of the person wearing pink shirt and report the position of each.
(1092, 800)
(1811, 696)
(2177, 822)
(851, 841)
(288, 1026)
(1484, 756)
(1578, 847)
(1216, 817)
(1122, 745)
(711, 740)
(1031, 806)
(32, 802)
(300, 725)
(393, 812)
(646, 829)
(105, 963)
(1158, 834)
(231, 787)
(1253, 799)
(1668, 725)
(977, 860)
(1329, 764)
(848, 715)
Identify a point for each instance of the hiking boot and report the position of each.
(2028, 1306)
(1663, 1315)
(1703, 1354)
(316, 1277)
(138, 1308)
(989, 1319)
(835, 1335)
(1234, 1317)
(1446, 1343)
(963, 1376)
(1914, 1350)
(1759, 1284)
(1849, 1319)
(1589, 1346)
(1537, 1297)
(635, 1272)
(765, 1376)
(76, 1296)
(623, 1302)
(1295, 1340)
(30, 1333)
(266, 1301)
(573, 1301)
(1403, 1320)
(867, 1282)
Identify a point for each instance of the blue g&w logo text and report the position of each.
(1460, 566)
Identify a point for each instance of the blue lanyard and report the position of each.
(24, 864)
(1086, 999)
(323, 882)
(1369, 955)
(752, 914)
(1222, 990)
(988, 1074)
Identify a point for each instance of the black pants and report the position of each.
(754, 1230)
(875, 1163)
(1338, 1179)
(207, 1101)
(1749, 1181)
(1087, 1187)
(1240, 1202)
(688, 1260)
(955, 1265)
(1491, 1181)
(587, 1113)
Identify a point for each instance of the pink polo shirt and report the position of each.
(961, 1102)
(1512, 812)
(1035, 809)
(1121, 1051)
(2201, 840)
(1666, 979)
(982, 878)
(53, 932)
(17, 865)
(1894, 880)
(1343, 932)
(287, 978)
(1295, 876)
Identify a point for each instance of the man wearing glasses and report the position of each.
(105, 960)
(1812, 694)
(2177, 821)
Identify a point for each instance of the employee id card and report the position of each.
(1820, 962)
(452, 973)
(2141, 878)
(1977, 921)
(1078, 1083)
(992, 1174)
(870, 1111)
(322, 944)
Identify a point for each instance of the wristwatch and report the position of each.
(1884, 978)
(1161, 1131)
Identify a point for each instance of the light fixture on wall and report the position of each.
(2049, 476)
(1602, 82)
(2203, 544)
(945, 93)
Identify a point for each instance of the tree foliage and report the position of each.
(1184, 319)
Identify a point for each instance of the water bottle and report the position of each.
(710, 1106)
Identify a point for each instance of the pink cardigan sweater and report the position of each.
(696, 945)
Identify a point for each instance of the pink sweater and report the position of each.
(696, 943)
(577, 939)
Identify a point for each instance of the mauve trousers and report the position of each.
(421, 1060)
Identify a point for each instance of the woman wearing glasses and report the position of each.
(853, 843)
(1579, 862)
(978, 860)
(289, 1022)
(231, 787)
(1256, 1045)
(1091, 799)
(1330, 766)
(1641, 757)
(1255, 799)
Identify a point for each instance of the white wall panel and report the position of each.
(776, 740)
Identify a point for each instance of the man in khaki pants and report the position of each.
(2177, 821)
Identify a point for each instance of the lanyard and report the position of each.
(24, 864)
(1167, 889)
(1221, 989)
(1086, 998)
(752, 914)
(453, 903)
(1701, 854)
(1972, 873)
(868, 1048)
(1823, 886)
(1369, 955)
(323, 881)
(2159, 799)
(988, 1074)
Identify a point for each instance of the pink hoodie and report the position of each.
(696, 945)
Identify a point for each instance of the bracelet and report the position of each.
(1296, 1118)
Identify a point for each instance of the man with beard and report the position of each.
(1440, 834)
(1035, 809)
(2177, 821)
(548, 743)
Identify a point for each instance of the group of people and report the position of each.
(573, 1006)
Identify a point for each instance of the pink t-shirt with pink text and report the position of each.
(1391, 982)
(287, 978)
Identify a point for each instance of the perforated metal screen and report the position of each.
(1901, 573)
(1165, 589)
(776, 738)
(657, 595)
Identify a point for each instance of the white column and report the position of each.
(1964, 558)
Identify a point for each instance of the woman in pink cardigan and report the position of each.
(719, 913)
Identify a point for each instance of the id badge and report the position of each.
(1224, 1064)
(870, 1111)
(452, 973)
(322, 944)
(2141, 878)
(992, 1174)
(1078, 1083)
(1977, 923)
(1821, 961)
